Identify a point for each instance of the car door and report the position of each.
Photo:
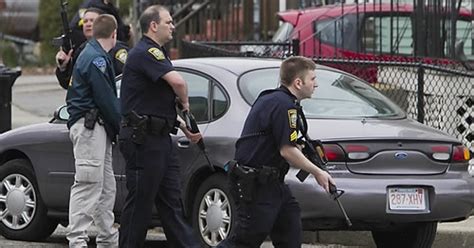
(199, 93)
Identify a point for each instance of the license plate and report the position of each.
(407, 198)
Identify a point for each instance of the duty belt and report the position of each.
(263, 174)
(152, 124)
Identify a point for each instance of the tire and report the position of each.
(22, 211)
(417, 235)
(213, 206)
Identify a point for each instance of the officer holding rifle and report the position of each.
(150, 88)
(266, 148)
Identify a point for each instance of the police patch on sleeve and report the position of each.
(293, 136)
(121, 55)
(157, 53)
(100, 63)
(292, 117)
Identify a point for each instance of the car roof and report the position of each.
(235, 65)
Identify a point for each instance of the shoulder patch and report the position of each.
(100, 63)
(121, 55)
(157, 53)
(81, 12)
(292, 117)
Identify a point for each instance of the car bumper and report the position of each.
(450, 198)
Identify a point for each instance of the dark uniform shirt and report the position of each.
(271, 123)
(143, 89)
(118, 54)
(93, 86)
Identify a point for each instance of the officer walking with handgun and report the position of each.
(265, 204)
(150, 88)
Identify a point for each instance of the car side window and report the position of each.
(198, 93)
(378, 30)
(340, 32)
(219, 102)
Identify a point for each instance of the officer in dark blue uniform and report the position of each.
(149, 91)
(265, 204)
(107, 7)
(65, 62)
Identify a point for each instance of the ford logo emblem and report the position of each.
(401, 155)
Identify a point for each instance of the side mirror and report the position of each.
(61, 114)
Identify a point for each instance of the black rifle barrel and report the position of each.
(192, 126)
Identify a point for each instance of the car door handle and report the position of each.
(183, 143)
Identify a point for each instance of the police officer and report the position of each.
(107, 7)
(148, 95)
(94, 118)
(265, 204)
(65, 62)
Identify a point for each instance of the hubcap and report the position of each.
(214, 217)
(17, 201)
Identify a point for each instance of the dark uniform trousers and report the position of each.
(153, 178)
(274, 212)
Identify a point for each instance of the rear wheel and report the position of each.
(417, 235)
(22, 211)
(212, 210)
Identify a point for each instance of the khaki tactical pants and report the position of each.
(93, 192)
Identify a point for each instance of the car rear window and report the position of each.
(338, 95)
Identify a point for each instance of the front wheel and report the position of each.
(213, 209)
(22, 211)
(416, 235)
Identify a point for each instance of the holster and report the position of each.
(144, 124)
(90, 118)
(243, 182)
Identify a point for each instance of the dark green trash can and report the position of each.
(7, 79)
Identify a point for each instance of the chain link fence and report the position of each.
(440, 96)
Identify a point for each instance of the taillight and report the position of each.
(334, 153)
(440, 152)
(357, 152)
(460, 154)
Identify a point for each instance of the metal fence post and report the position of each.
(295, 46)
(420, 94)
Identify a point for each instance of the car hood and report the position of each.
(369, 129)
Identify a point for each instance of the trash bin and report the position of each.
(7, 79)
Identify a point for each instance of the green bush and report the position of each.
(8, 54)
(50, 24)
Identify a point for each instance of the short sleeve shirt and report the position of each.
(271, 124)
(143, 89)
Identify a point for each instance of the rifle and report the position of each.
(64, 40)
(314, 151)
(192, 126)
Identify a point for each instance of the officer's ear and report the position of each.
(297, 82)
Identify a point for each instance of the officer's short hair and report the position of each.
(103, 27)
(294, 67)
(150, 14)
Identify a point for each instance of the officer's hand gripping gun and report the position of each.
(192, 126)
(314, 151)
(64, 40)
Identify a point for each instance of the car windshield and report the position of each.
(338, 95)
